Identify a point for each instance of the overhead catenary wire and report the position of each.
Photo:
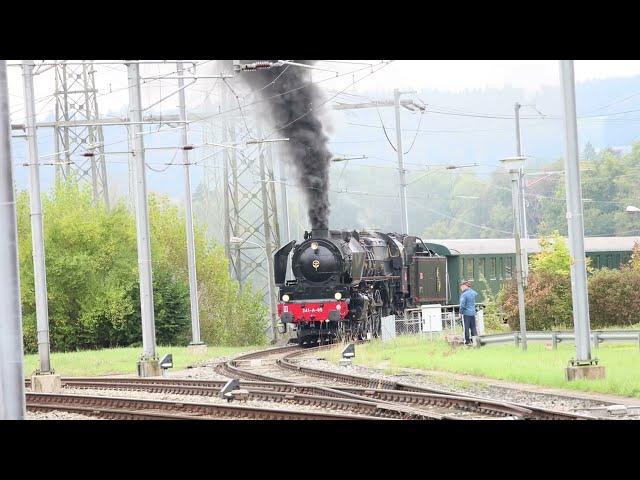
(239, 108)
(274, 96)
(416, 135)
(325, 102)
(255, 102)
(101, 93)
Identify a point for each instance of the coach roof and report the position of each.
(501, 246)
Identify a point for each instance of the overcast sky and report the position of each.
(373, 78)
(446, 75)
(457, 75)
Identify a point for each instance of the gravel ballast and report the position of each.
(467, 387)
(57, 415)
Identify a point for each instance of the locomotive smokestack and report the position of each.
(293, 103)
(320, 233)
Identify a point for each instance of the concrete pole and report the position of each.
(225, 198)
(191, 249)
(403, 183)
(516, 231)
(521, 201)
(142, 225)
(267, 244)
(267, 237)
(12, 400)
(517, 115)
(270, 288)
(37, 237)
(284, 200)
(224, 127)
(579, 292)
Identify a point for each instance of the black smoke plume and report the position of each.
(292, 102)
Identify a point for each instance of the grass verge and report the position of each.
(114, 361)
(538, 365)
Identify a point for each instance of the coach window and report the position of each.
(480, 269)
(500, 267)
(468, 268)
(609, 261)
(492, 268)
(508, 267)
(595, 261)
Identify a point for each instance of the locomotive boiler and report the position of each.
(338, 284)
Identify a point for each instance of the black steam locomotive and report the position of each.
(338, 284)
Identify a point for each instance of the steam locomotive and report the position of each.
(338, 284)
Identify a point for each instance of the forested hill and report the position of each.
(463, 204)
(478, 126)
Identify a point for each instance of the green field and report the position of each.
(121, 360)
(538, 365)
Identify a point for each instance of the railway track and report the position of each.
(122, 408)
(275, 376)
(279, 365)
(256, 390)
(307, 396)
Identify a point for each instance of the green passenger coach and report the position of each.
(494, 259)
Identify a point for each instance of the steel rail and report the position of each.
(257, 389)
(387, 390)
(105, 413)
(296, 393)
(341, 403)
(360, 388)
(484, 403)
(97, 403)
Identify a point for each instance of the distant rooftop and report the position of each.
(479, 246)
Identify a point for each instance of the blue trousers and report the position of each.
(469, 322)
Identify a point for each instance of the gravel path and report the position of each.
(540, 400)
(205, 370)
(57, 415)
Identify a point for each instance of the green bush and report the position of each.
(547, 301)
(492, 313)
(613, 298)
(93, 283)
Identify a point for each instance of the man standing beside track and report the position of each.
(468, 311)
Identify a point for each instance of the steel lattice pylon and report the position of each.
(80, 148)
(251, 211)
(249, 204)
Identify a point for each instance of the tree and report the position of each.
(554, 257)
(92, 277)
(548, 293)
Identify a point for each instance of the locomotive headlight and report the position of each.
(337, 296)
(285, 298)
(314, 245)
